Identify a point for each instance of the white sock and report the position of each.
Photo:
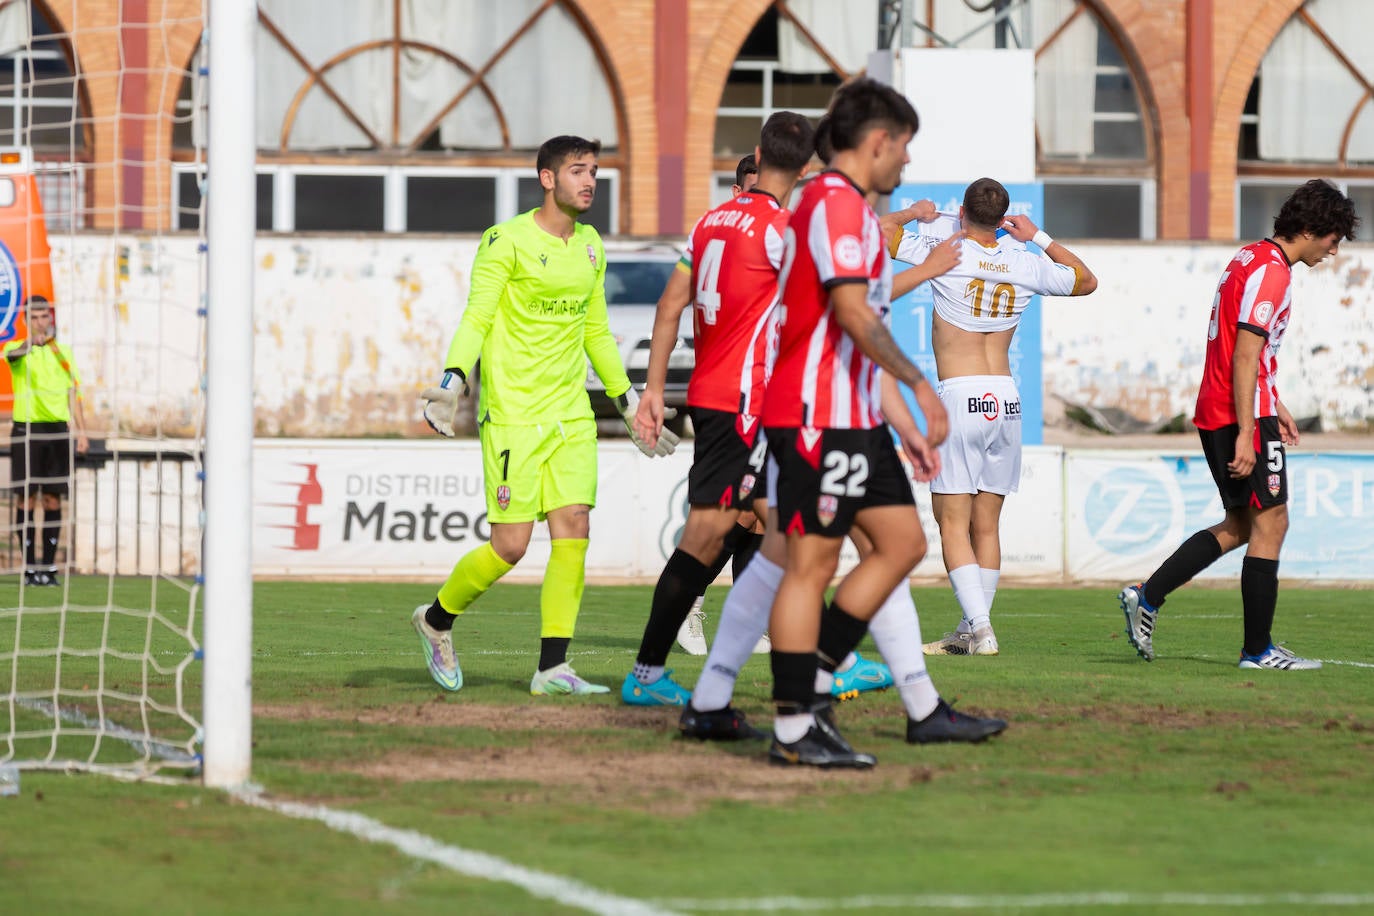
(989, 577)
(824, 681)
(647, 674)
(790, 729)
(848, 663)
(968, 591)
(743, 619)
(896, 630)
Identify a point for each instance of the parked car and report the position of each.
(635, 277)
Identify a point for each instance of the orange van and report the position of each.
(24, 266)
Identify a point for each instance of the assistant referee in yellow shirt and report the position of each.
(47, 409)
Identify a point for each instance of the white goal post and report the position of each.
(231, 205)
(138, 664)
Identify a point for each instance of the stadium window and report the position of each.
(42, 107)
(334, 201)
(1091, 135)
(443, 102)
(1102, 208)
(457, 203)
(530, 194)
(783, 66)
(1309, 112)
(1258, 201)
(186, 179)
(1093, 148)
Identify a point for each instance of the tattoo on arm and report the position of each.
(880, 347)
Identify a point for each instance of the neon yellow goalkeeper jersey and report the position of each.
(536, 313)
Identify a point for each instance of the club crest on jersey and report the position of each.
(826, 507)
(1274, 485)
(1263, 311)
(591, 256)
(849, 252)
(746, 486)
(503, 497)
(986, 405)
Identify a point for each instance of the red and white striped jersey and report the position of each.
(735, 252)
(1254, 293)
(821, 379)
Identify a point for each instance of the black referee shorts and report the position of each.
(40, 458)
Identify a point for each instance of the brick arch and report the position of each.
(632, 92)
(1157, 67)
(1248, 42)
(93, 32)
(712, 55)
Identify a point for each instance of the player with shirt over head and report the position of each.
(536, 314)
(729, 276)
(1244, 426)
(978, 306)
(835, 464)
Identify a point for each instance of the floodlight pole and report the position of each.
(230, 226)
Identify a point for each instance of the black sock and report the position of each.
(24, 521)
(744, 552)
(794, 682)
(438, 618)
(840, 633)
(52, 533)
(737, 536)
(1192, 557)
(683, 579)
(1259, 593)
(553, 651)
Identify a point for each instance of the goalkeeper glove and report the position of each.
(441, 402)
(627, 404)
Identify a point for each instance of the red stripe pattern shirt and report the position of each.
(821, 379)
(735, 252)
(1254, 294)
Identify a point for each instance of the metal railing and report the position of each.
(129, 510)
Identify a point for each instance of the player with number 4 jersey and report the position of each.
(978, 306)
(729, 276)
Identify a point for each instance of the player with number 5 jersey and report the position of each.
(1244, 426)
(729, 276)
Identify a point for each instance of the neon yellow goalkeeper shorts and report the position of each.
(532, 470)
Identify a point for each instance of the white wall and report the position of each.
(349, 329)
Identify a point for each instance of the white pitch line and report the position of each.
(1016, 901)
(464, 861)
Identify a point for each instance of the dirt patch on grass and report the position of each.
(680, 780)
(441, 713)
(563, 753)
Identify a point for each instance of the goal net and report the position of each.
(101, 213)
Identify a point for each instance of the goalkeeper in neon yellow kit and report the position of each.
(536, 313)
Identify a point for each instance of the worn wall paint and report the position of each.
(350, 330)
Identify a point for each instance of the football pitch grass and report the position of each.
(1120, 786)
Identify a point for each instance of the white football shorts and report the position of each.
(983, 451)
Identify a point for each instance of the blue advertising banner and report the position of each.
(1127, 512)
(911, 314)
(11, 294)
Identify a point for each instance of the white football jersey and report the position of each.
(991, 286)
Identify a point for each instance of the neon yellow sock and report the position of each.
(476, 572)
(561, 597)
